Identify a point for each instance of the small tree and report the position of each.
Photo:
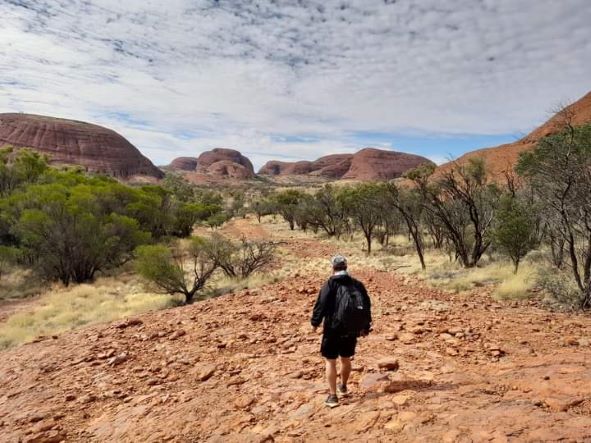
(262, 207)
(216, 220)
(515, 229)
(408, 203)
(286, 203)
(365, 205)
(463, 203)
(178, 270)
(240, 260)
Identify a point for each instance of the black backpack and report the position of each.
(351, 314)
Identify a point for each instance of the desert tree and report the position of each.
(559, 171)
(515, 228)
(65, 232)
(464, 203)
(408, 203)
(286, 203)
(178, 269)
(332, 215)
(242, 259)
(365, 205)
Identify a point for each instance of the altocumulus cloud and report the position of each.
(295, 79)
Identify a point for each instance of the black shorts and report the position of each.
(334, 346)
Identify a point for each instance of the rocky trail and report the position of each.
(246, 367)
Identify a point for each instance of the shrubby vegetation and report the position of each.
(166, 267)
(69, 226)
(186, 268)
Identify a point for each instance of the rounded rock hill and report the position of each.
(225, 162)
(95, 148)
(184, 164)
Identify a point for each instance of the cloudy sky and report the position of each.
(296, 79)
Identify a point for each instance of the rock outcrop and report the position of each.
(225, 163)
(367, 164)
(95, 148)
(183, 164)
(502, 158)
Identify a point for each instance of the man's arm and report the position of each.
(320, 306)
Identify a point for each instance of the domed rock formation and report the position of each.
(93, 147)
(503, 158)
(367, 164)
(184, 164)
(379, 164)
(225, 163)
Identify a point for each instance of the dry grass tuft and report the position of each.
(19, 283)
(68, 308)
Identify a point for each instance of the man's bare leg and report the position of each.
(331, 375)
(345, 369)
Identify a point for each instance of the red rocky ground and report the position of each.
(245, 367)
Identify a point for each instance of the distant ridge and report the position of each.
(502, 158)
(367, 164)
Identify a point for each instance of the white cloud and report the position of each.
(183, 76)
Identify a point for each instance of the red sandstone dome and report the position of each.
(93, 147)
(367, 164)
(379, 164)
(184, 164)
(206, 163)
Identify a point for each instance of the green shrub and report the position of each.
(176, 270)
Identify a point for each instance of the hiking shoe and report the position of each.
(342, 390)
(332, 401)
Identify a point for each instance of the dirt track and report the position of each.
(245, 367)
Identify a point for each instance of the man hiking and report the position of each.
(344, 305)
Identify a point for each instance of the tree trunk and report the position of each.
(586, 301)
(516, 266)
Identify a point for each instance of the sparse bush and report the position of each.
(560, 288)
(216, 220)
(242, 259)
(515, 229)
(286, 204)
(177, 270)
(262, 207)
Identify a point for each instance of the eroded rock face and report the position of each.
(225, 163)
(367, 164)
(184, 164)
(93, 147)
